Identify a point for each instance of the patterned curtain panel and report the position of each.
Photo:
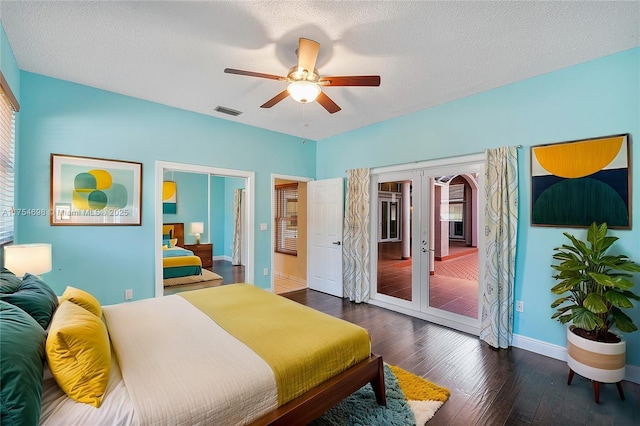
(355, 252)
(236, 258)
(501, 225)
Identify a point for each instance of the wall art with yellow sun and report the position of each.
(169, 197)
(94, 191)
(576, 183)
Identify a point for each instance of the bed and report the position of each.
(234, 354)
(176, 260)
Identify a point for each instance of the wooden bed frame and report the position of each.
(311, 405)
(178, 232)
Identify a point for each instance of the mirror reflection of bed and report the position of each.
(215, 199)
(182, 268)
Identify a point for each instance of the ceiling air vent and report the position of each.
(229, 111)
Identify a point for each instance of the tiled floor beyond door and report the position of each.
(284, 285)
(453, 286)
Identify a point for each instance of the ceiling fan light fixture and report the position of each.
(304, 80)
(304, 91)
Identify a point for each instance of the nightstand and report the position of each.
(204, 252)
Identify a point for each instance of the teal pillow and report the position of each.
(8, 281)
(165, 240)
(34, 297)
(21, 366)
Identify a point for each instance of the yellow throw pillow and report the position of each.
(82, 298)
(173, 242)
(79, 353)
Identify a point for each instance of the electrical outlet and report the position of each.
(128, 294)
(519, 306)
(266, 271)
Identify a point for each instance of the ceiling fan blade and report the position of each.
(351, 80)
(307, 54)
(277, 98)
(252, 74)
(327, 103)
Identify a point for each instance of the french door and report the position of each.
(403, 276)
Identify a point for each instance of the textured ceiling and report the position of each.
(427, 53)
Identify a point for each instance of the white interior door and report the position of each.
(325, 207)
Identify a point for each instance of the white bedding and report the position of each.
(60, 410)
(178, 367)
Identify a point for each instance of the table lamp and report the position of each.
(197, 228)
(32, 258)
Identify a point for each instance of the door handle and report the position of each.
(336, 243)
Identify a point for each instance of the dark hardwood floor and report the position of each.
(488, 387)
(230, 274)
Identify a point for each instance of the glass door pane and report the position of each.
(396, 270)
(453, 283)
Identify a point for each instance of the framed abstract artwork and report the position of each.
(169, 197)
(95, 191)
(578, 182)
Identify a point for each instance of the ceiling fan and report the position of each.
(305, 83)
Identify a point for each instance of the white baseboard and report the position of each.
(632, 373)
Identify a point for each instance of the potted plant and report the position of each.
(594, 289)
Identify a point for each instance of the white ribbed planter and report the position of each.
(600, 362)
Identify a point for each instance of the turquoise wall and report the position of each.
(596, 98)
(8, 64)
(68, 118)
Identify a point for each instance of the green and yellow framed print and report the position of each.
(169, 197)
(95, 191)
(578, 182)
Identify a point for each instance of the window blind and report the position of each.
(8, 107)
(286, 208)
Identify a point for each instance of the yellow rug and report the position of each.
(423, 397)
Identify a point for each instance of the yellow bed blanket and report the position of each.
(303, 347)
(172, 262)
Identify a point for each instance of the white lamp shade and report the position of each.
(32, 258)
(197, 227)
(304, 91)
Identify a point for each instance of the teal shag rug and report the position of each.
(361, 408)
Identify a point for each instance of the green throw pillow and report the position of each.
(21, 366)
(9, 283)
(34, 297)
